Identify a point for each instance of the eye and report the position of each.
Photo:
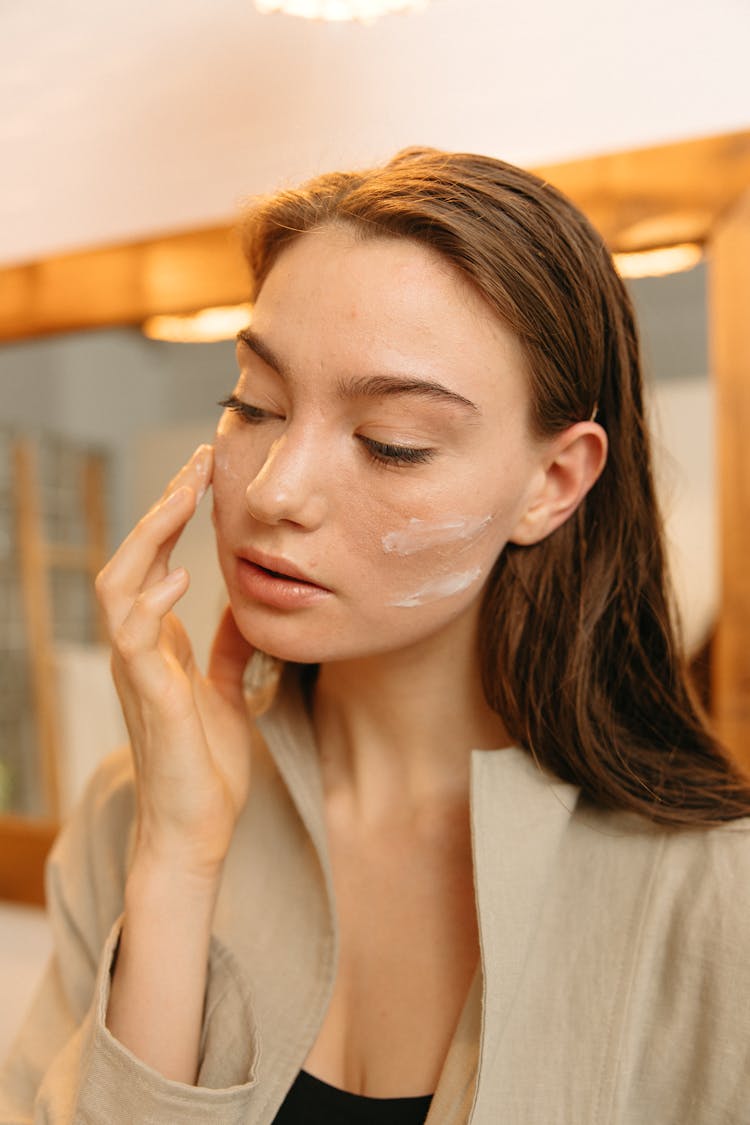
(246, 411)
(386, 454)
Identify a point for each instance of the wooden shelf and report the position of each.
(24, 846)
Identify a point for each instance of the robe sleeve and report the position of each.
(65, 1066)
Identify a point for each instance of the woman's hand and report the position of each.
(190, 733)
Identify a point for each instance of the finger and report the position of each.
(136, 644)
(230, 653)
(143, 557)
(196, 472)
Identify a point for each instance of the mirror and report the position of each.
(141, 407)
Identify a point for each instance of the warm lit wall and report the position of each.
(128, 118)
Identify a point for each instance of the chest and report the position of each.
(408, 952)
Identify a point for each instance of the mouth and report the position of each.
(280, 569)
(277, 584)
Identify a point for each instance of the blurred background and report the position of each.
(131, 134)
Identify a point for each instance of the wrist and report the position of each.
(188, 859)
(167, 878)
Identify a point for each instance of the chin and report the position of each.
(285, 637)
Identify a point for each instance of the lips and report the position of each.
(275, 583)
(278, 567)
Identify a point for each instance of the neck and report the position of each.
(395, 731)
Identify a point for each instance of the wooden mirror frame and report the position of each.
(695, 190)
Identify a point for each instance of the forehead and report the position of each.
(384, 284)
(339, 304)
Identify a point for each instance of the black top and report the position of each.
(313, 1102)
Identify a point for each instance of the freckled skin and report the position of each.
(302, 484)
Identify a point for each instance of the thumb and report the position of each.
(230, 653)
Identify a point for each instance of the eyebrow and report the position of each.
(366, 386)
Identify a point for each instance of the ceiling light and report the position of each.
(667, 228)
(364, 10)
(659, 262)
(204, 327)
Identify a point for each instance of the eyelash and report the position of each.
(246, 411)
(382, 453)
(389, 455)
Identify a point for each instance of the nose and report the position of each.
(289, 487)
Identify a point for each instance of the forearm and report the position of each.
(159, 982)
(190, 740)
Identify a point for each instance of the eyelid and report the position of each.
(246, 410)
(386, 454)
(390, 454)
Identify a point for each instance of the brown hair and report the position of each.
(578, 649)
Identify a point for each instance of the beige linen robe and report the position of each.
(614, 986)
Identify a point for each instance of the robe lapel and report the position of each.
(519, 817)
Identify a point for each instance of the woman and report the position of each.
(480, 859)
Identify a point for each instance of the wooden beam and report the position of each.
(33, 565)
(659, 195)
(729, 321)
(94, 507)
(123, 284)
(639, 198)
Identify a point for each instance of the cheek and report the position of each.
(445, 551)
(438, 557)
(227, 467)
(233, 470)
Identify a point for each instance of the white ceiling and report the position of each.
(125, 118)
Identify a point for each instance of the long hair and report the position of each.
(578, 648)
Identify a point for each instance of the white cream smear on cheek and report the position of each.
(443, 587)
(421, 535)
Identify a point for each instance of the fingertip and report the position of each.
(165, 594)
(203, 460)
(177, 577)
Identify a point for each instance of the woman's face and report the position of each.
(376, 448)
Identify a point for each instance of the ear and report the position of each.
(569, 466)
